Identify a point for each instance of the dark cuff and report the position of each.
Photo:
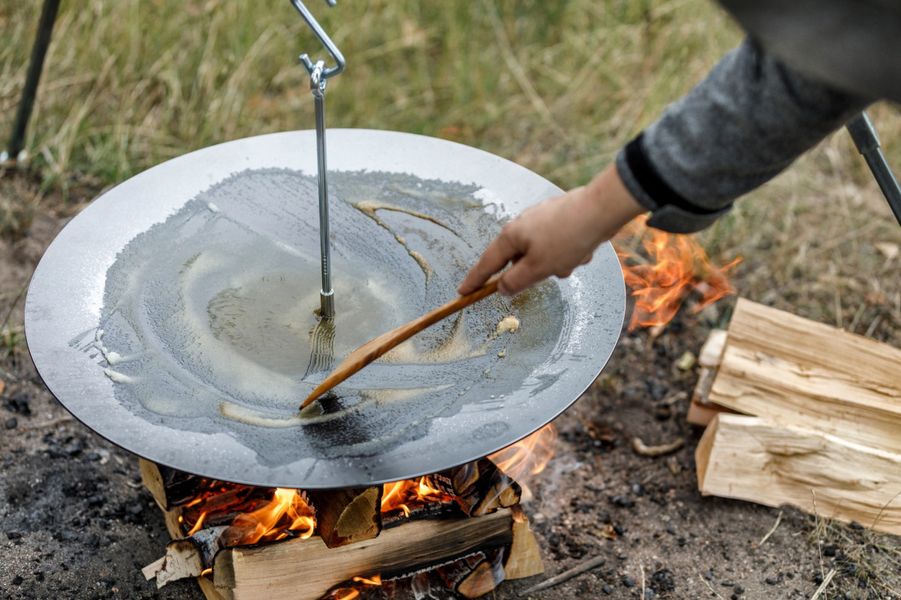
(670, 211)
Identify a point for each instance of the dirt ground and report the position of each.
(75, 522)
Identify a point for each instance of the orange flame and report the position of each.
(529, 456)
(674, 267)
(287, 513)
(402, 495)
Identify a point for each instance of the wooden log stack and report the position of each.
(471, 544)
(800, 413)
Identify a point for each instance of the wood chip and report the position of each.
(643, 449)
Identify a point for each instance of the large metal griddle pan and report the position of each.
(66, 297)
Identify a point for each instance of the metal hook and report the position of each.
(326, 41)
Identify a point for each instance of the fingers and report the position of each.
(519, 277)
(496, 256)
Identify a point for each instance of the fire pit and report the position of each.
(460, 532)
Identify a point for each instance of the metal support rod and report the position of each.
(864, 135)
(326, 294)
(319, 75)
(32, 78)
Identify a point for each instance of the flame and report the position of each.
(287, 513)
(673, 268)
(401, 495)
(259, 518)
(529, 456)
(374, 580)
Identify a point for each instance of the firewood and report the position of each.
(479, 487)
(524, 556)
(712, 351)
(186, 557)
(751, 459)
(702, 414)
(799, 372)
(302, 569)
(485, 577)
(347, 516)
(700, 410)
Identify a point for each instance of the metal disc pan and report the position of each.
(174, 315)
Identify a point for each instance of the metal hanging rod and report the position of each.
(319, 75)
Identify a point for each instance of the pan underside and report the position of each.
(175, 316)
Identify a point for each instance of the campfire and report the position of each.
(461, 530)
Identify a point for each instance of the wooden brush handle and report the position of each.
(376, 347)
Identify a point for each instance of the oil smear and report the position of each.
(209, 322)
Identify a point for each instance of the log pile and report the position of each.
(800, 413)
(474, 536)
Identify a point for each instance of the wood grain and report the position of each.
(751, 459)
(797, 372)
(306, 569)
(376, 347)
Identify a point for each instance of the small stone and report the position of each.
(11, 423)
(738, 590)
(772, 580)
(686, 361)
(829, 550)
(607, 589)
(662, 580)
(622, 501)
(638, 489)
(13, 535)
(17, 580)
(628, 581)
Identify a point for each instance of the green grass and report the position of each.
(556, 86)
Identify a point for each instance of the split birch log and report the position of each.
(798, 372)
(751, 459)
(347, 516)
(186, 557)
(307, 569)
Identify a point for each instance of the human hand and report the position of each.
(556, 235)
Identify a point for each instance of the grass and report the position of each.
(557, 87)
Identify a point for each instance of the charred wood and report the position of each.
(347, 516)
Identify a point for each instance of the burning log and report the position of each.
(307, 569)
(798, 372)
(479, 487)
(347, 516)
(750, 459)
(475, 575)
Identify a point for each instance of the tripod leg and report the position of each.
(864, 135)
(35, 67)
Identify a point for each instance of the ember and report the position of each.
(669, 270)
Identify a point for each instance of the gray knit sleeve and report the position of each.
(746, 122)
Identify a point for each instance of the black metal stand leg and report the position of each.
(35, 67)
(864, 135)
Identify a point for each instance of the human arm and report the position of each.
(746, 122)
